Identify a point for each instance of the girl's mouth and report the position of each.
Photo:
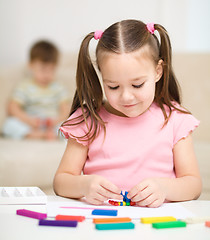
(129, 105)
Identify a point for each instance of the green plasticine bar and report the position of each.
(115, 226)
(173, 224)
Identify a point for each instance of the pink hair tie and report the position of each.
(151, 27)
(98, 34)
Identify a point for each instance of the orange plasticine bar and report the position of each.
(207, 223)
(111, 220)
(70, 218)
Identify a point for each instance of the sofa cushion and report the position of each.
(29, 162)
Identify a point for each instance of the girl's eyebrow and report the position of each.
(132, 80)
(109, 81)
(138, 78)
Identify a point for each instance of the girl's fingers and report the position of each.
(141, 195)
(155, 204)
(100, 190)
(109, 190)
(95, 201)
(96, 198)
(147, 201)
(110, 195)
(137, 189)
(100, 197)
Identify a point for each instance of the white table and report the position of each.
(14, 227)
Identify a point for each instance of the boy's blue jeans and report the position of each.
(16, 129)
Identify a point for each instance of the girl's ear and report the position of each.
(159, 70)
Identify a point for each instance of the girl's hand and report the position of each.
(99, 189)
(148, 193)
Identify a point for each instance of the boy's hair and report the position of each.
(127, 36)
(44, 51)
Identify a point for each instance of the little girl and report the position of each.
(139, 138)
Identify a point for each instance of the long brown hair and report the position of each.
(122, 37)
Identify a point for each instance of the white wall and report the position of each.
(66, 22)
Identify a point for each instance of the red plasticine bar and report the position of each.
(70, 218)
(31, 214)
(207, 223)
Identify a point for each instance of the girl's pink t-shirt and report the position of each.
(133, 148)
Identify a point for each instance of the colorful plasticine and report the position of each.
(44, 222)
(207, 223)
(125, 198)
(31, 214)
(126, 201)
(196, 219)
(104, 212)
(115, 203)
(70, 218)
(115, 226)
(111, 220)
(157, 219)
(174, 224)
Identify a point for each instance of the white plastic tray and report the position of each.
(22, 195)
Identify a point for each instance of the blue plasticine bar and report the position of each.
(58, 223)
(173, 224)
(115, 226)
(104, 212)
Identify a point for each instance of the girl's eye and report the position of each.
(113, 88)
(138, 86)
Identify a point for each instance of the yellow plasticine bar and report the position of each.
(148, 220)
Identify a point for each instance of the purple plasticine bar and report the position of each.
(31, 214)
(59, 223)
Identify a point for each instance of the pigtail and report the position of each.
(88, 95)
(167, 88)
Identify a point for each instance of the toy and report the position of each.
(104, 212)
(111, 220)
(70, 218)
(59, 223)
(157, 219)
(115, 226)
(31, 214)
(126, 201)
(173, 224)
(207, 223)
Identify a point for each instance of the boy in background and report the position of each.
(39, 104)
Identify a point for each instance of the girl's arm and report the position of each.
(186, 186)
(69, 182)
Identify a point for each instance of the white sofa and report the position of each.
(30, 162)
(34, 162)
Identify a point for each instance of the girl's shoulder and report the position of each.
(75, 114)
(175, 112)
(79, 113)
(75, 127)
(179, 113)
(183, 122)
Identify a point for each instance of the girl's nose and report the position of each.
(126, 95)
